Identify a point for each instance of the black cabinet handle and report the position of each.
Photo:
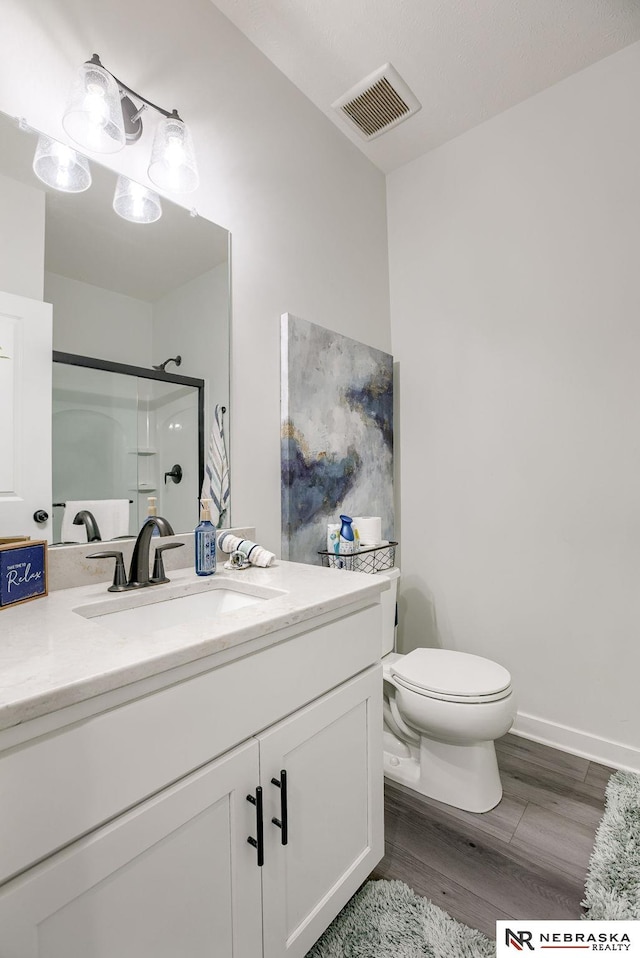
(258, 843)
(283, 821)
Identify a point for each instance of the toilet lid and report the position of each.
(441, 672)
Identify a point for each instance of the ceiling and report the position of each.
(465, 60)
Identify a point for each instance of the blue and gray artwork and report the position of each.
(336, 437)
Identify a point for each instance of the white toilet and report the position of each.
(443, 711)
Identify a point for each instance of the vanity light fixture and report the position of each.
(136, 203)
(60, 166)
(94, 118)
(173, 161)
(101, 117)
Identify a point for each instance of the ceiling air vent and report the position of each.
(377, 103)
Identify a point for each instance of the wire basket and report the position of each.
(371, 559)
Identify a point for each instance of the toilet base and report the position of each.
(465, 776)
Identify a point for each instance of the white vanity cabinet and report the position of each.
(174, 876)
(174, 873)
(331, 753)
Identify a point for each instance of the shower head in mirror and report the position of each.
(163, 366)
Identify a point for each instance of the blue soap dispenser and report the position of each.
(205, 541)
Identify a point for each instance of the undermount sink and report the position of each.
(150, 610)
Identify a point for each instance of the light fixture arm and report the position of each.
(95, 59)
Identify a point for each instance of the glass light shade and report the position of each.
(93, 117)
(60, 166)
(173, 159)
(136, 203)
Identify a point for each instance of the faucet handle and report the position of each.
(159, 574)
(119, 575)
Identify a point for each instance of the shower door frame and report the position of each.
(141, 372)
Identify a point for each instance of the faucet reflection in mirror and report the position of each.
(87, 519)
(101, 117)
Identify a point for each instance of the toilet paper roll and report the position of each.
(369, 528)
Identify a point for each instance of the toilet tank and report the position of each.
(388, 602)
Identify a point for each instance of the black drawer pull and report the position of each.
(258, 843)
(283, 821)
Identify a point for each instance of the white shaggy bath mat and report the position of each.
(612, 889)
(385, 919)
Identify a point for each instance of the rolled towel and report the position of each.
(256, 555)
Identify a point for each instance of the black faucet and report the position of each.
(139, 569)
(88, 520)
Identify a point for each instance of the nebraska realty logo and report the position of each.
(528, 936)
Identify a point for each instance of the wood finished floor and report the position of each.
(525, 859)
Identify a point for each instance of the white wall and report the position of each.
(306, 210)
(515, 298)
(178, 502)
(100, 323)
(204, 301)
(21, 239)
(205, 351)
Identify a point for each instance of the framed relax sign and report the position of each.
(23, 571)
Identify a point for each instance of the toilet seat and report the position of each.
(451, 676)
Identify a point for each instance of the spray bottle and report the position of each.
(347, 536)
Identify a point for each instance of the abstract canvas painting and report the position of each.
(336, 436)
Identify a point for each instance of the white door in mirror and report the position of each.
(25, 416)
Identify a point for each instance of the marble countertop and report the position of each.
(52, 657)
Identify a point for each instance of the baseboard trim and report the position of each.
(574, 741)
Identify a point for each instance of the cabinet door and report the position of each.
(174, 876)
(332, 754)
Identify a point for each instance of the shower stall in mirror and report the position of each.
(122, 434)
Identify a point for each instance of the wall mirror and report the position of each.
(127, 296)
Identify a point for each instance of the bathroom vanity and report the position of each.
(212, 787)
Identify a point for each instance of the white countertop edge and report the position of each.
(52, 658)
